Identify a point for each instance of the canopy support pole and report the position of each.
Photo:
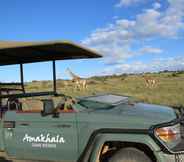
(22, 77)
(54, 76)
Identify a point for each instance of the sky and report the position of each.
(133, 35)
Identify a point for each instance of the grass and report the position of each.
(169, 90)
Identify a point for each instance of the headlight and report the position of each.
(169, 135)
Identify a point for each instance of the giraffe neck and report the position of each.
(73, 75)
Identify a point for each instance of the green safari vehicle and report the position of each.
(100, 128)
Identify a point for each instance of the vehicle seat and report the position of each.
(32, 105)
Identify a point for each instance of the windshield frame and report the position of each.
(95, 103)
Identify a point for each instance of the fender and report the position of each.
(99, 137)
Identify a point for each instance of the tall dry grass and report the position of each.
(168, 91)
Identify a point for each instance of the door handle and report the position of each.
(24, 124)
(63, 126)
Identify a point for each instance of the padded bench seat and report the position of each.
(31, 105)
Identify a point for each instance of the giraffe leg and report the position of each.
(147, 84)
(84, 84)
(76, 85)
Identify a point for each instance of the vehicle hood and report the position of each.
(138, 114)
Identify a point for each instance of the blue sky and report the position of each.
(133, 35)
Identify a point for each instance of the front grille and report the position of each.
(179, 158)
(180, 146)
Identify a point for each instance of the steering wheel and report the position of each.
(69, 101)
(66, 104)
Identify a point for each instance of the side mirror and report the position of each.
(48, 107)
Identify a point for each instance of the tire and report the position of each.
(2, 159)
(130, 155)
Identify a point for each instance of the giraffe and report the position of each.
(80, 83)
(149, 81)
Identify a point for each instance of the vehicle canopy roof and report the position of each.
(30, 52)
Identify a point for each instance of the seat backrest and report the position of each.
(48, 105)
(32, 105)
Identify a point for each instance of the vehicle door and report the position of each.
(45, 137)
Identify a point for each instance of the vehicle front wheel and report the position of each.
(129, 155)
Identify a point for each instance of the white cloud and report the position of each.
(153, 23)
(116, 40)
(139, 67)
(127, 2)
(151, 50)
(156, 5)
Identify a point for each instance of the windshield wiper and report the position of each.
(83, 105)
(105, 108)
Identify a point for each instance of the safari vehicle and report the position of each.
(101, 128)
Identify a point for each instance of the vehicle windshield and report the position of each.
(94, 105)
